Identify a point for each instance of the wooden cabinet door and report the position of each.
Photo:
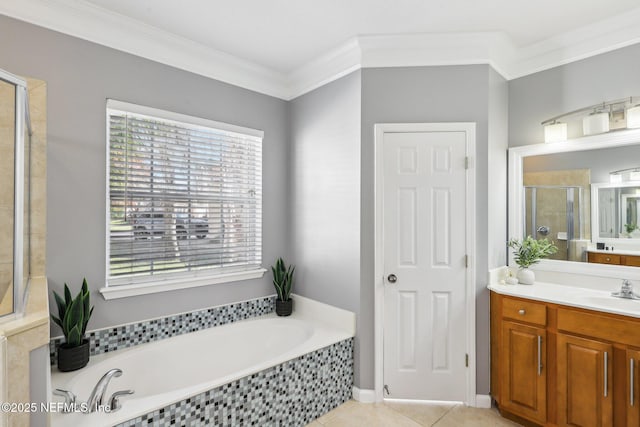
(632, 389)
(584, 382)
(523, 377)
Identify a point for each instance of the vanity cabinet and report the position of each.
(523, 380)
(555, 365)
(584, 382)
(632, 389)
(614, 259)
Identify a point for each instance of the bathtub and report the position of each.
(174, 369)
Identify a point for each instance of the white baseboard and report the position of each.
(364, 396)
(483, 401)
(369, 396)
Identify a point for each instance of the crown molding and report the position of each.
(89, 22)
(331, 66)
(590, 40)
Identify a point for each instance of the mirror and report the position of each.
(615, 213)
(562, 191)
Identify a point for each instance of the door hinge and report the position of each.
(466, 162)
(386, 390)
(466, 261)
(466, 360)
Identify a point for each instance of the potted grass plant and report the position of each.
(283, 282)
(528, 252)
(73, 317)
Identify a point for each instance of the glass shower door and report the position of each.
(555, 213)
(7, 196)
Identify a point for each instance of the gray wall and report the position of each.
(80, 77)
(540, 96)
(325, 189)
(422, 94)
(496, 199)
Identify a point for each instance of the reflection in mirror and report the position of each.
(555, 208)
(562, 204)
(617, 211)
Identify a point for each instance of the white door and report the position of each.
(424, 247)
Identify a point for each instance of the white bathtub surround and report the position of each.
(132, 334)
(308, 355)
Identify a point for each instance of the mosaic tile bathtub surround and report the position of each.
(119, 337)
(290, 394)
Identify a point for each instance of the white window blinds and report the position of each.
(185, 196)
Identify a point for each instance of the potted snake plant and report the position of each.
(73, 317)
(283, 282)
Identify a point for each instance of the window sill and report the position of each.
(124, 291)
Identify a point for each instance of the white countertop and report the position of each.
(573, 296)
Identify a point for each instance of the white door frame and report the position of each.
(470, 130)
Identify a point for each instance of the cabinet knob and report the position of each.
(607, 259)
(521, 312)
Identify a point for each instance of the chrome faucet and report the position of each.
(97, 395)
(626, 291)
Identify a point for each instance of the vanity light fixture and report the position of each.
(633, 117)
(595, 123)
(555, 132)
(625, 175)
(596, 119)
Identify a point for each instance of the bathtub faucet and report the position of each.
(97, 395)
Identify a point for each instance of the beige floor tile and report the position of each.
(423, 414)
(337, 411)
(369, 415)
(473, 417)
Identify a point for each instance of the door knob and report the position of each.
(392, 278)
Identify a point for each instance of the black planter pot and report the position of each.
(73, 358)
(284, 308)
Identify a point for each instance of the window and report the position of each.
(184, 199)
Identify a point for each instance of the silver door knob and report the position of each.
(392, 278)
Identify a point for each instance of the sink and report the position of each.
(612, 302)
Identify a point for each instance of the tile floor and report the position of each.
(394, 414)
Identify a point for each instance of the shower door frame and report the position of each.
(570, 200)
(18, 190)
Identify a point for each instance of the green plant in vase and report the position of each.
(283, 282)
(73, 317)
(630, 228)
(528, 252)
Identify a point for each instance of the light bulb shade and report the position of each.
(633, 117)
(595, 124)
(555, 132)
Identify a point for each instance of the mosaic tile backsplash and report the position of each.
(112, 339)
(291, 394)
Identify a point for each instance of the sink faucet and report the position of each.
(626, 291)
(97, 395)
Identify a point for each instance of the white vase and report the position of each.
(526, 276)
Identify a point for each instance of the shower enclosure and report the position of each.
(557, 213)
(14, 194)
